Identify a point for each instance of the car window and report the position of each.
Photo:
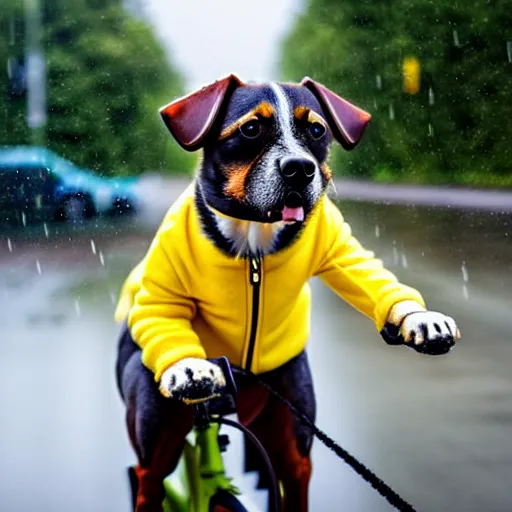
(33, 187)
(8, 180)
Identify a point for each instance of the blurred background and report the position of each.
(87, 171)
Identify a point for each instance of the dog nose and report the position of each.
(298, 172)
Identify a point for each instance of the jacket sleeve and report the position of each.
(160, 318)
(354, 273)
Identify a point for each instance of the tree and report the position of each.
(455, 128)
(12, 126)
(107, 77)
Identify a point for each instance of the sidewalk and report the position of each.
(455, 197)
(160, 191)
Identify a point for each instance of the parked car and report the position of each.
(37, 184)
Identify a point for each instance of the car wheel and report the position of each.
(75, 209)
(122, 206)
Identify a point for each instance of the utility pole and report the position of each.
(36, 72)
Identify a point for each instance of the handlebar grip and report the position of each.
(225, 404)
(225, 366)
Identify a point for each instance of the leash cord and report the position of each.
(369, 476)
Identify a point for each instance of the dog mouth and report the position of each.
(292, 211)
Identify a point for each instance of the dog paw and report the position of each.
(429, 332)
(192, 380)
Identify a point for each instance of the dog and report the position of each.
(227, 275)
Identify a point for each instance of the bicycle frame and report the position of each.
(200, 473)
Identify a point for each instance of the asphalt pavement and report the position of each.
(436, 429)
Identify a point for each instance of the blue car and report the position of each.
(37, 184)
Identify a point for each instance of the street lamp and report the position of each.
(36, 73)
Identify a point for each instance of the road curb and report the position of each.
(161, 191)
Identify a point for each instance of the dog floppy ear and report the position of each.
(347, 122)
(189, 119)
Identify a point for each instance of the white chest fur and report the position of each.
(247, 236)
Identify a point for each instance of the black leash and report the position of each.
(369, 476)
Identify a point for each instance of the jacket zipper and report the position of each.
(255, 280)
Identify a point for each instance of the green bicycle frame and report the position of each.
(200, 473)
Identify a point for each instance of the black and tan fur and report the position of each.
(265, 149)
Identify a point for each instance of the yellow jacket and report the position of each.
(186, 298)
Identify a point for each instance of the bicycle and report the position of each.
(199, 482)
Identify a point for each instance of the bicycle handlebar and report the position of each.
(226, 403)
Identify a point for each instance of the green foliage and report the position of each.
(107, 78)
(12, 113)
(456, 129)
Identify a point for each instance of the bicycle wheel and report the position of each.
(223, 501)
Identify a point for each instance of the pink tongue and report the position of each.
(296, 214)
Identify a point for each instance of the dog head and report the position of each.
(265, 146)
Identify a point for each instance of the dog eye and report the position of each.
(251, 129)
(316, 130)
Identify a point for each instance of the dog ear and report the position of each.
(347, 122)
(189, 119)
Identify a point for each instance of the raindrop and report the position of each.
(464, 269)
(430, 130)
(93, 247)
(391, 112)
(509, 51)
(102, 259)
(395, 256)
(9, 244)
(38, 266)
(112, 297)
(10, 67)
(404, 261)
(456, 41)
(23, 219)
(465, 293)
(77, 307)
(46, 232)
(377, 231)
(431, 98)
(378, 82)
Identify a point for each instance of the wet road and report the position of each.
(436, 429)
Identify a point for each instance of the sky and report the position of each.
(212, 38)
